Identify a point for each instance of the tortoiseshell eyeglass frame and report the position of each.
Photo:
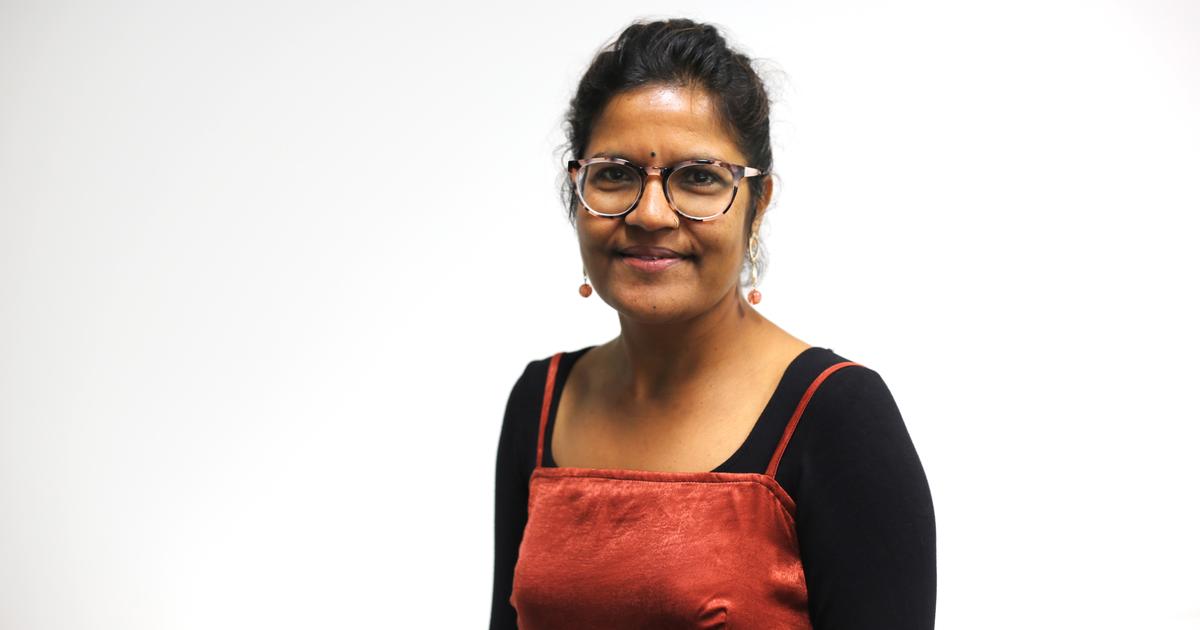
(738, 171)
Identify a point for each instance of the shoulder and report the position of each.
(833, 384)
(851, 391)
(530, 385)
(526, 396)
(522, 413)
(843, 387)
(850, 418)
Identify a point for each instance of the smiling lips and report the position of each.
(647, 258)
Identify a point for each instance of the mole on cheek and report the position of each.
(652, 154)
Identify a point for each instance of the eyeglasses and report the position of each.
(700, 190)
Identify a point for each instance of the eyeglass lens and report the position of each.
(698, 190)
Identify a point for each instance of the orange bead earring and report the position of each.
(754, 296)
(585, 289)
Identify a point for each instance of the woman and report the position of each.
(704, 468)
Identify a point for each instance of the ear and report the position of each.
(763, 203)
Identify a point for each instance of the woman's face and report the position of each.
(661, 125)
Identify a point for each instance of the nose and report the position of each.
(653, 211)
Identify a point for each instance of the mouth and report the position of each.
(650, 259)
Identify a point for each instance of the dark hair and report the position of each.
(684, 53)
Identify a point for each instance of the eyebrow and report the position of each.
(700, 156)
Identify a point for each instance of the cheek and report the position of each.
(721, 263)
(720, 245)
(594, 235)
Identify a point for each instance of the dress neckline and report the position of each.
(760, 424)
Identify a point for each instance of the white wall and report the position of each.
(269, 269)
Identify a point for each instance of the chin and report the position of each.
(650, 305)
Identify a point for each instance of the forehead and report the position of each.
(676, 123)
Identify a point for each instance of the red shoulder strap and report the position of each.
(549, 394)
(791, 425)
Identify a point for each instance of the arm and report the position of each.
(513, 467)
(865, 518)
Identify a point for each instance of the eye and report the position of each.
(610, 177)
(702, 177)
(612, 173)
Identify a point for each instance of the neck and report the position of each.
(659, 359)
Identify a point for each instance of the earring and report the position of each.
(585, 289)
(754, 296)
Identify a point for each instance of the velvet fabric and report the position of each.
(613, 548)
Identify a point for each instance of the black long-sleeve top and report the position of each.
(864, 514)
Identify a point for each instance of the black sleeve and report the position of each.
(864, 512)
(514, 465)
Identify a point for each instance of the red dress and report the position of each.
(613, 548)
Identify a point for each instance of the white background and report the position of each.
(268, 271)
